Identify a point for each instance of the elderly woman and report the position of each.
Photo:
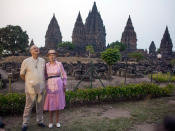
(56, 86)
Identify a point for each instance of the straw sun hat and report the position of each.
(52, 52)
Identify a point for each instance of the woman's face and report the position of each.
(52, 57)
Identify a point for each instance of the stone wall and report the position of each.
(78, 69)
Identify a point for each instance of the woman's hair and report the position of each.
(52, 51)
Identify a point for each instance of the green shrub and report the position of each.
(14, 103)
(163, 77)
(124, 92)
(66, 45)
(120, 46)
(136, 55)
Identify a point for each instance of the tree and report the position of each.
(158, 50)
(117, 45)
(136, 55)
(90, 49)
(13, 39)
(66, 45)
(172, 62)
(110, 56)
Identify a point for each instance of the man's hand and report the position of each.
(22, 77)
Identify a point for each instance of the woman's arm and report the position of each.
(64, 74)
(45, 72)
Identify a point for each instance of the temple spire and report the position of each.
(129, 23)
(95, 30)
(79, 17)
(129, 38)
(166, 44)
(94, 8)
(79, 35)
(152, 49)
(53, 35)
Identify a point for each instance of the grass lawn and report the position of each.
(163, 78)
(122, 116)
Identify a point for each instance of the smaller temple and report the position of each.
(79, 35)
(166, 45)
(152, 49)
(129, 37)
(53, 35)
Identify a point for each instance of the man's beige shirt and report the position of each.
(34, 71)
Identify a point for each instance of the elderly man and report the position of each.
(33, 73)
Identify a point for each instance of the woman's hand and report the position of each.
(64, 88)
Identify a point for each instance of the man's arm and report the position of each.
(23, 70)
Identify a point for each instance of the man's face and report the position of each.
(34, 50)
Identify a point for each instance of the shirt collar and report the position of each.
(35, 59)
(53, 64)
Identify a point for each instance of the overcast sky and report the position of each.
(149, 17)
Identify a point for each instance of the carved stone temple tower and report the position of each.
(166, 45)
(53, 35)
(129, 37)
(95, 30)
(79, 35)
(91, 33)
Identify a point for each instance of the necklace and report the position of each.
(35, 62)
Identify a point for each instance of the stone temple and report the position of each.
(166, 45)
(129, 37)
(93, 32)
(79, 35)
(53, 35)
(152, 49)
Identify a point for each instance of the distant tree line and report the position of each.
(13, 40)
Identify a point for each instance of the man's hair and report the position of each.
(32, 47)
